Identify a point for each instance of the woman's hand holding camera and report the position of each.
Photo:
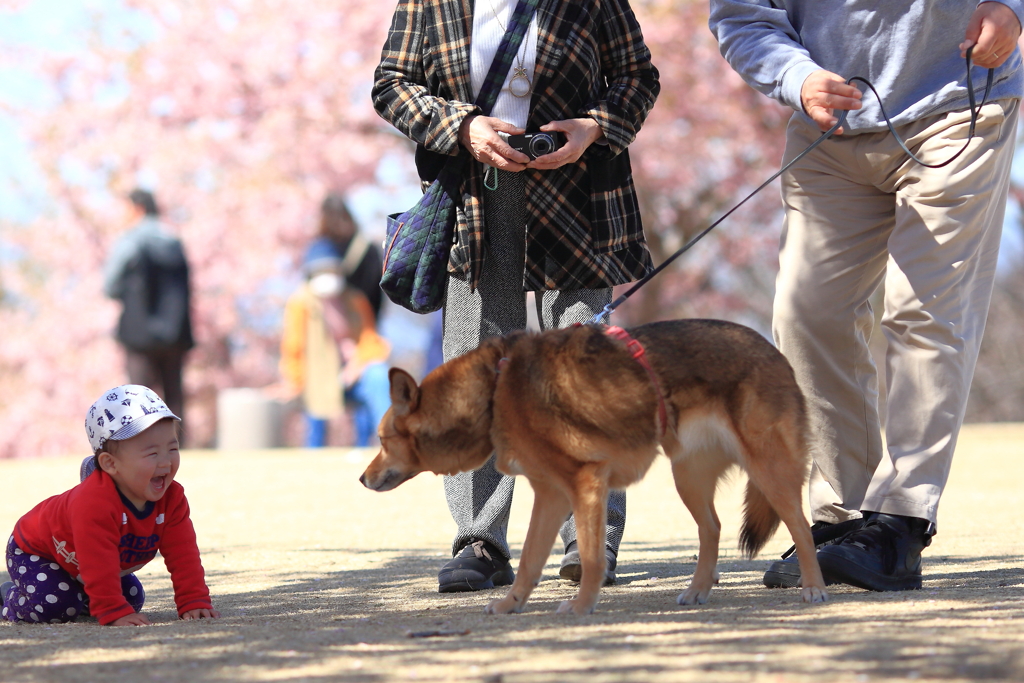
(479, 134)
(579, 135)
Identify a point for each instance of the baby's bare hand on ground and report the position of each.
(200, 614)
(132, 620)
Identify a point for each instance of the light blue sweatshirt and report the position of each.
(909, 50)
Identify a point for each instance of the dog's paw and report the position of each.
(506, 605)
(694, 596)
(573, 607)
(813, 594)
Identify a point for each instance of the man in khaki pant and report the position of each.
(859, 213)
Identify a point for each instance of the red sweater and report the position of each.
(97, 536)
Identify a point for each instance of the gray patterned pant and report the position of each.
(480, 501)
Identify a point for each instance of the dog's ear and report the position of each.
(405, 395)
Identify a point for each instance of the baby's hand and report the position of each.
(132, 620)
(200, 614)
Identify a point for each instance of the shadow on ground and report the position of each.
(358, 623)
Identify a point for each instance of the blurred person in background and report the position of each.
(148, 273)
(331, 353)
(361, 260)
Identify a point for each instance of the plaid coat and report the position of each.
(583, 220)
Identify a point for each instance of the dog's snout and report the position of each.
(362, 480)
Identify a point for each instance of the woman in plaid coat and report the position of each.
(565, 225)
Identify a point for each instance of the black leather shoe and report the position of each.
(785, 573)
(883, 555)
(476, 567)
(572, 570)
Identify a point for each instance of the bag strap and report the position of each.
(450, 174)
(357, 248)
(507, 50)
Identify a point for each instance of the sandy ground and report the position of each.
(319, 579)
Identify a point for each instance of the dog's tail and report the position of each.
(759, 521)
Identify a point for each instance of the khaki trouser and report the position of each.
(857, 211)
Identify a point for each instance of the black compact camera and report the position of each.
(536, 145)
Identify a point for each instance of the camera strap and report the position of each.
(502, 62)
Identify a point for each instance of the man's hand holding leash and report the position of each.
(823, 92)
(992, 32)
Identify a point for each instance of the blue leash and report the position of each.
(607, 310)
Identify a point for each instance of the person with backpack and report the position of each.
(361, 260)
(147, 271)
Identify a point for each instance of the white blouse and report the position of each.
(490, 19)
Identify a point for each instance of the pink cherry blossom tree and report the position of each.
(241, 115)
(244, 114)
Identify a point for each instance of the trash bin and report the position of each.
(248, 419)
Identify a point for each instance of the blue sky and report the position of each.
(40, 24)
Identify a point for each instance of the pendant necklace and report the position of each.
(519, 85)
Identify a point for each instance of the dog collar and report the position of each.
(637, 349)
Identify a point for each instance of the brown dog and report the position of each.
(577, 414)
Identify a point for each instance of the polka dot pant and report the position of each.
(44, 593)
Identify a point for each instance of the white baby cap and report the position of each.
(123, 412)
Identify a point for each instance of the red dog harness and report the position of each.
(637, 349)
